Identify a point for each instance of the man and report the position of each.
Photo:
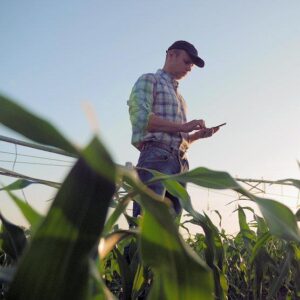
(157, 111)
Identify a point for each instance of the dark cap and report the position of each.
(190, 50)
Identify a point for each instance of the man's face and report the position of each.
(180, 64)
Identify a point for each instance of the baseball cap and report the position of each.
(190, 50)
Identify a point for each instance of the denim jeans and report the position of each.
(164, 161)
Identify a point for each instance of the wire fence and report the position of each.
(207, 200)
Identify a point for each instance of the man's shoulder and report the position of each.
(151, 77)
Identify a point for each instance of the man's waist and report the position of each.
(175, 140)
(175, 150)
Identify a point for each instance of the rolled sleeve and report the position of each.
(140, 106)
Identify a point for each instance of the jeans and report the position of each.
(164, 161)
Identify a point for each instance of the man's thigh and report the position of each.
(160, 160)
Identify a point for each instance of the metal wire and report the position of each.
(33, 163)
(34, 156)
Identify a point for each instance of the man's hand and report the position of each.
(158, 124)
(193, 125)
(203, 133)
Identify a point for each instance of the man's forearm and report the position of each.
(156, 123)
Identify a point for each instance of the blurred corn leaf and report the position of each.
(19, 119)
(59, 251)
(178, 272)
(214, 254)
(26, 181)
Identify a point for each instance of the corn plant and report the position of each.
(77, 252)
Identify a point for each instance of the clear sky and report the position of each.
(57, 55)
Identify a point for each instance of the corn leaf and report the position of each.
(19, 119)
(260, 243)
(279, 218)
(178, 272)
(17, 185)
(31, 215)
(283, 272)
(58, 256)
(214, 253)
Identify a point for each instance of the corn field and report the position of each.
(78, 252)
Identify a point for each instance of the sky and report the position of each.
(58, 57)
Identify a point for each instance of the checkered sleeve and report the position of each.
(140, 106)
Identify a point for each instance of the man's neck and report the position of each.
(165, 69)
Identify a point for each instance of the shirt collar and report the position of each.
(168, 78)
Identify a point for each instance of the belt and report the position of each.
(147, 145)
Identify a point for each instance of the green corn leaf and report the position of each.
(19, 119)
(260, 243)
(242, 220)
(214, 253)
(261, 225)
(296, 265)
(246, 232)
(113, 218)
(127, 276)
(100, 290)
(139, 282)
(208, 178)
(220, 217)
(58, 256)
(25, 181)
(17, 185)
(178, 272)
(279, 218)
(283, 271)
(176, 189)
(31, 215)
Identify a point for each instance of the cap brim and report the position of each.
(198, 61)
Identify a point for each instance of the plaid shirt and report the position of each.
(157, 94)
